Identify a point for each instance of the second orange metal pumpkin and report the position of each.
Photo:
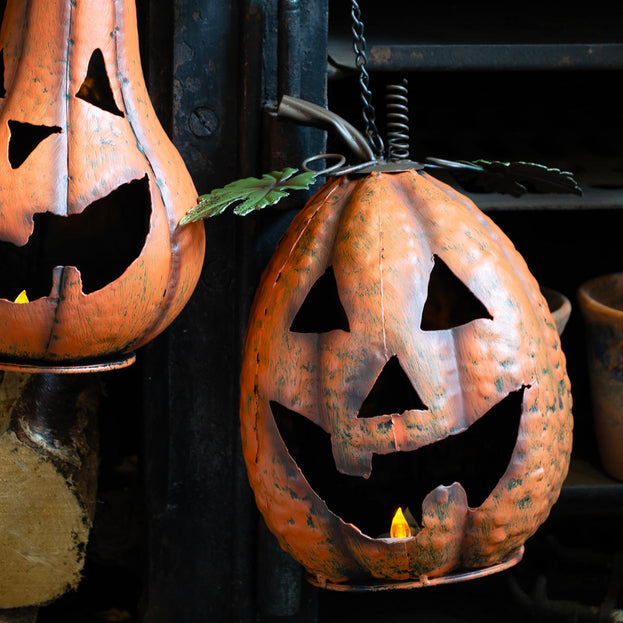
(380, 237)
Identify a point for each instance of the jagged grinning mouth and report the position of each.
(101, 242)
(476, 458)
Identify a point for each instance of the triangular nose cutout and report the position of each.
(96, 88)
(322, 310)
(24, 139)
(449, 303)
(391, 393)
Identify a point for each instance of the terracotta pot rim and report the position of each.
(588, 296)
(559, 306)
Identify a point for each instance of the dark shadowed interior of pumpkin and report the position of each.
(101, 242)
(477, 457)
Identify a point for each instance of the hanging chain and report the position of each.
(369, 114)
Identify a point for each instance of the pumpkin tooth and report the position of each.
(445, 505)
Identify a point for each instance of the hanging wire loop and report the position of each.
(361, 59)
(339, 158)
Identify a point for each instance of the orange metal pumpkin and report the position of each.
(91, 188)
(399, 353)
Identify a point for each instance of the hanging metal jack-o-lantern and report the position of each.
(400, 355)
(91, 190)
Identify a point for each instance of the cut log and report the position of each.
(48, 470)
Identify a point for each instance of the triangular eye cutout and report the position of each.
(96, 88)
(24, 139)
(449, 303)
(2, 89)
(391, 393)
(322, 309)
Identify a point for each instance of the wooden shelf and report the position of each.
(403, 56)
(583, 473)
(466, 36)
(589, 492)
(592, 198)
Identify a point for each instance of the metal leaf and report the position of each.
(251, 193)
(513, 178)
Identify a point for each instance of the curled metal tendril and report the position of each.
(397, 102)
(369, 114)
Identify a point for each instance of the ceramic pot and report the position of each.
(559, 306)
(601, 303)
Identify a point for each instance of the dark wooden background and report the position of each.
(227, 62)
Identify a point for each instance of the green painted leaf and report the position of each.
(250, 193)
(513, 178)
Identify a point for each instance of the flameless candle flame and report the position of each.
(22, 298)
(400, 528)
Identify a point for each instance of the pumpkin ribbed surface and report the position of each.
(381, 236)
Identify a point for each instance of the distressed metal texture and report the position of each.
(190, 438)
(92, 152)
(380, 234)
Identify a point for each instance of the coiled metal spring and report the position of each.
(397, 104)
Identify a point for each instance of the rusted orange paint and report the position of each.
(47, 45)
(380, 233)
